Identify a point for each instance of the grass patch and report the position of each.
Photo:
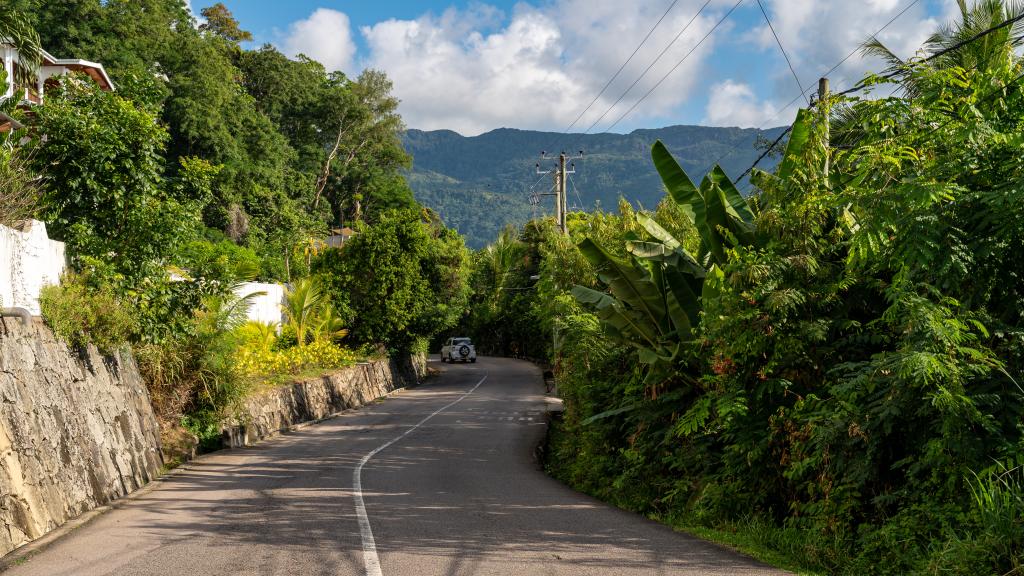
(753, 539)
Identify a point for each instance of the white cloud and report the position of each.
(477, 68)
(326, 36)
(199, 19)
(735, 104)
(538, 70)
(817, 34)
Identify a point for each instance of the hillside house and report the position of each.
(339, 236)
(49, 70)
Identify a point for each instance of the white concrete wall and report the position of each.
(265, 307)
(29, 260)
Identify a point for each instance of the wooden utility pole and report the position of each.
(563, 207)
(559, 215)
(823, 93)
(560, 189)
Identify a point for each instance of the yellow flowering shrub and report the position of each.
(257, 357)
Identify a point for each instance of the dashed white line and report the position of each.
(370, 558)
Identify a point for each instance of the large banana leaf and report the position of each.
(678, 184)
(655, 229)
(686, 291)
(658, 252)
(715, 220)
(799, 136)
(681, 318)
(737, 204)
(623, 325)
(630, 284)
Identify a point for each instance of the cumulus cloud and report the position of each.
(818, 34)
(326, 36)
(735, 104)
(540, 68)
(478, 68)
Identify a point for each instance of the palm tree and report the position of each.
(503, 256)
(303, 306)
(330, 325)
(954, 45)
(981, 54)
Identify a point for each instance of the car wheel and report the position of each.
(473, 360)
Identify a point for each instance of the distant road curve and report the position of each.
(447, 482)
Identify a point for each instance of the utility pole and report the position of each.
(561, 175)
(823, 93)
(562, 183)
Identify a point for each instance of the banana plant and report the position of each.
(721, 214)
(653, 299)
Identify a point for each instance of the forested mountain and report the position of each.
(479, 184)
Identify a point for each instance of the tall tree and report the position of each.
(366, 144)
(404, 278)
(220, 22)
(106, 197)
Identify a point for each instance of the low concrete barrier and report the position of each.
(29, 260)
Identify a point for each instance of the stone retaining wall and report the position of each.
(269, 413)
(77, 431)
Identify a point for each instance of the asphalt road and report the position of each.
(459, 494)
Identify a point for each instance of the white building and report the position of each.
(50, 69)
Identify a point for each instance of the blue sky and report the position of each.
(476, 65)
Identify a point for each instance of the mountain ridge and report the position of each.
(479, 184)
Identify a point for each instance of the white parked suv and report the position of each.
(456, 349)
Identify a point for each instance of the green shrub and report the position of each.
(194, 371)
(206, 426)
(81, 314)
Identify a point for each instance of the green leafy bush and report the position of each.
(403, 278)
(820, 367)
(81, 314)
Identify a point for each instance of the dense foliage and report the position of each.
(209, 166)
(402, 280)
(832, 368)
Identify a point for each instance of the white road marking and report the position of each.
(370, 558)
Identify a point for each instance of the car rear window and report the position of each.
(460, 341)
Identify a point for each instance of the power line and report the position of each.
(956, 46)
(824, 75)
(624, 64)
(655, 61)
(781, 49)
(875, 35)
(1008, 22)
(936, 130)
(623, 67)
(765, 153)
(576, 191)
(860, 85)
(678, 64)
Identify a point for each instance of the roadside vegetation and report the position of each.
(827, 371)
(211, 166)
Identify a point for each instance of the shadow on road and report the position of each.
(463, 488)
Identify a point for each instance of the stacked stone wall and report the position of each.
(77, 431)
(279, 409)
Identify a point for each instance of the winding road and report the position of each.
(439, 480)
